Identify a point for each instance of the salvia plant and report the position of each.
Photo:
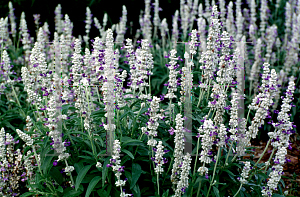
(116, 116)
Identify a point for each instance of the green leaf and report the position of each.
(126, 140)
(88, 152)
(81, 175)
(128, 153)
(91, 186)
(282, 182)
(46, 164)
(56, 175)
(277, 195)
(102, 192)
(27, 194)
(137, 190)
(166, 193)
(136, 173)
(216, 191)
(60, 189)
(262, 175)
(105, 170)
(87, 158)
(72, 193)
(78, 166)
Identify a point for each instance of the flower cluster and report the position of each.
(13, 171)
(184, 176)
(245, 173)
(172, 84)
(5, 71)
(159, 160)
(152, 124)
(262, 102)
(178, 150)
(280, 140)
(209, 60)
(207, 132)
(88, 24)
(117, 168)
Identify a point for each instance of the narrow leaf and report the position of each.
(91, 186)
(136, 173)
(81, 175)
(128, 153)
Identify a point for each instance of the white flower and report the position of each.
(245, 173)
(69, 169)
(193, 41)
(179, 135)
(172, 84)
(281, 141)
(25, 137)
(152, 142)
(206, 132)
(63, 156)
(117, 168)
(99, 165)
(159, 158)
(184, 179)
(2, 141)
(203, 170)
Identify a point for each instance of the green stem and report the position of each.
(248, 116)
(213, 114)
(200, 96)
(98, 94)
(134, 123)
(270, 159)
(138, 147)
(195, 165)
(234, 158)
(71, 139)
(149, 85)
(23, 113)
(228, 154)
(36, 158)
(70, 173)
(170, 112)
(199, 188)
(118, 119)
(208, 89)
(238, 190)
(262, 153)
(168, 168)
(196, 156)
(212, 180)
(37, 111)
(250, 88)
(158, 183)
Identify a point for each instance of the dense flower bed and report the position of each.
(166, 113)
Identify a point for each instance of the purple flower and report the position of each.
(55, 163)
(109, 165)
(171, 131)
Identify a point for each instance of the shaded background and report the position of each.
(77, 12)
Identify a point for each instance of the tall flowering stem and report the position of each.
(117, 168)
(172, 83)
(108, 87)
(159, 161)
(178, 150)
(280, 140)
(184, 179)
